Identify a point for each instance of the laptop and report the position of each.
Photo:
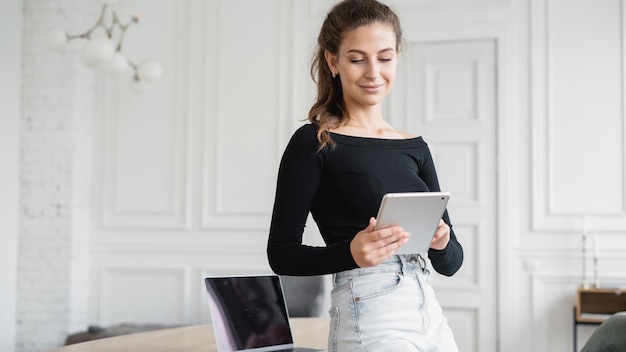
(249, 313)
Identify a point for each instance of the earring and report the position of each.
(334, 74)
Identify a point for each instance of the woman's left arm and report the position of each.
(446, 253)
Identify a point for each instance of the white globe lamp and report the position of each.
(98, 50)
(149, 71)
(117, 63)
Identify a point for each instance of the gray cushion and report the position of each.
(610, 336)
(304, 295)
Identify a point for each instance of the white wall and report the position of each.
(172, 170)
(10, 89)
(55, 174)
(567, 161)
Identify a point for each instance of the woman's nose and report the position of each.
(372, 69)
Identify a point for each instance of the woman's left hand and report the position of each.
(442, 236)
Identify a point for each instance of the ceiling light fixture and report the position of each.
(106, 50)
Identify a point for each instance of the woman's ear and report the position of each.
(331, 61)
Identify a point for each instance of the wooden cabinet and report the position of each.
(594, 305)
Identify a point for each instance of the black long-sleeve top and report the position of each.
(342, 188)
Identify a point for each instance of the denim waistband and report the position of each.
(399, 263)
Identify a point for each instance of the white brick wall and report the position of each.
(57, 110)
(10, 76)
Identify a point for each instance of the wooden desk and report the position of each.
(307, 332)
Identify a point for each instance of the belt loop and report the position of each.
(421, 261)
(402, 263)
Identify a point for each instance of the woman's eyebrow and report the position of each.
(364, 53)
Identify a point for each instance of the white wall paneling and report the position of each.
(145, 177)
(552, 309)
(577, 115)
(465, 325)
(245, 113)
(469, 276)
(448, 95)
(502, 27)
(189, 166)
(307, 17)
(459, 158)
(149, 294)
(184, 174)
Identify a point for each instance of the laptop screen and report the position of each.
(248, 312)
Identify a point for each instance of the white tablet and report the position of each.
(417, 212)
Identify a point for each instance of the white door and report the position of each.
(445, 92)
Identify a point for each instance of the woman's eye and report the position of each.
(355, 61)
(384, 59)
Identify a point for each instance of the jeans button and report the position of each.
(413, 260)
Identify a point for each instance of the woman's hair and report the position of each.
(329, 110)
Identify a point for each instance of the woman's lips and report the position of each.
(372, 88)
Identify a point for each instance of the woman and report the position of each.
(338, 167)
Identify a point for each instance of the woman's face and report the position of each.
(366, 63)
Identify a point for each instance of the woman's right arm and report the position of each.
(298, 180)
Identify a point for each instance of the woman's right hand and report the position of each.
(371, 247)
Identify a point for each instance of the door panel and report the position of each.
(447, 95)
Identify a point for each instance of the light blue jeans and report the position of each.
(389, 307)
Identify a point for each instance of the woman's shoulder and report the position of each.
(305, 136)
(305, 132)
(308, 129)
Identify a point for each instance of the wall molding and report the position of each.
(226, 181)
(145, 277)
(546, 216)
(116, 113)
